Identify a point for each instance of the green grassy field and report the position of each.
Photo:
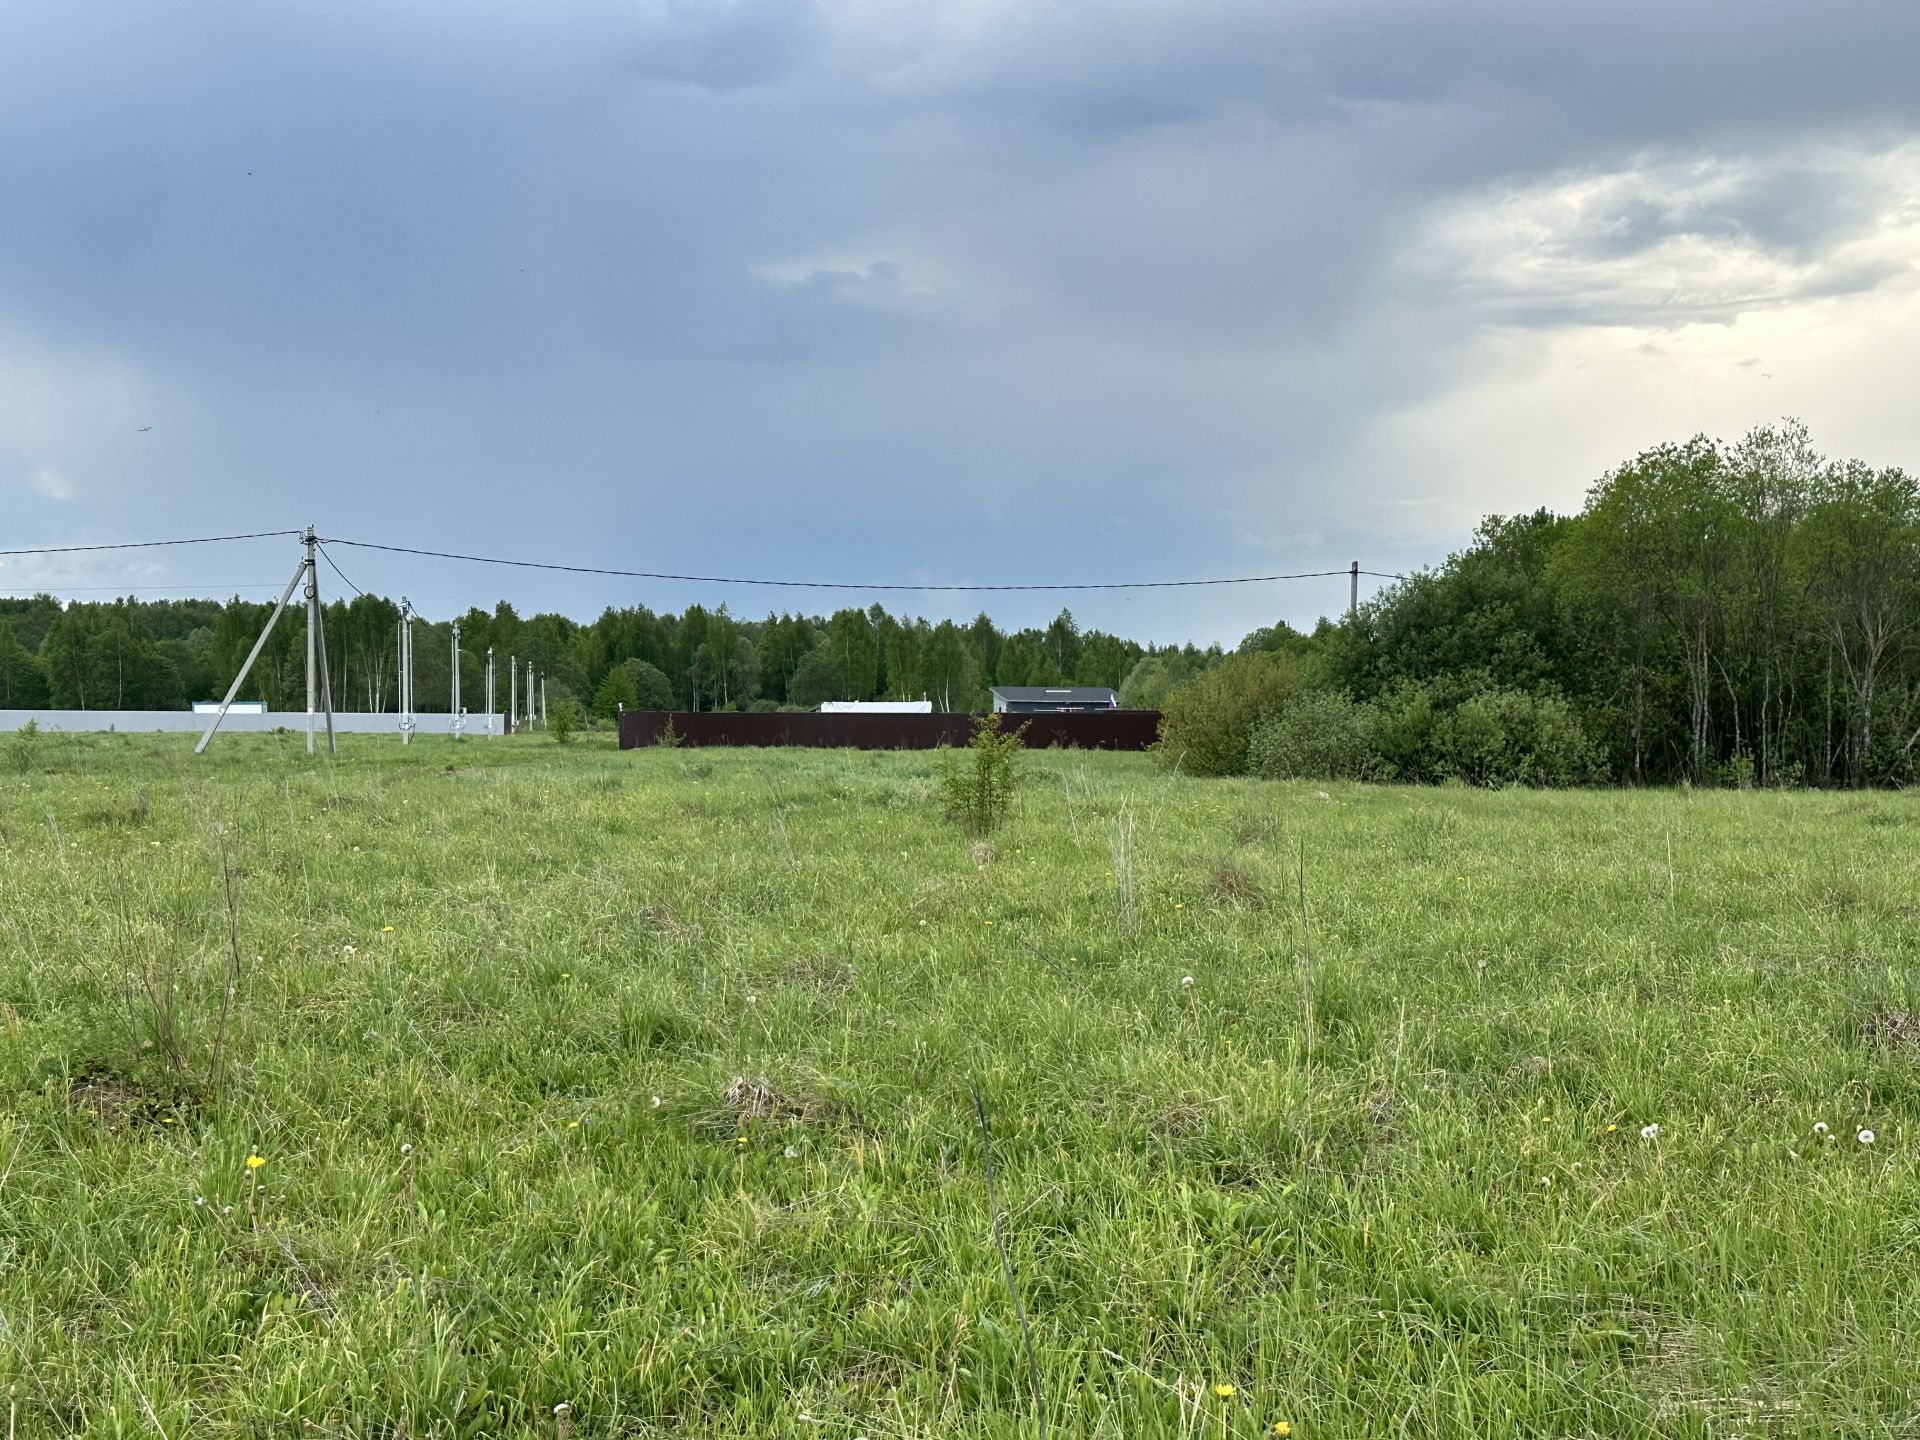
(642, 1084)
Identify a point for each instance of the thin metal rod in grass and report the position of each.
(1306, 953)
(1006, 1265)
(231, 979)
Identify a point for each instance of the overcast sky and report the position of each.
(968, 292)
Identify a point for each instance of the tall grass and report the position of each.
(641, 1084)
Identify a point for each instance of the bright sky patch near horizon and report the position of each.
(988, 292)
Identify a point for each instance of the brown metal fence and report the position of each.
(1103, 730)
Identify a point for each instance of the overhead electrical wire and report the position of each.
(836, 584)
(338, 571)
(200, 590)
(150, 544)
(896, 586)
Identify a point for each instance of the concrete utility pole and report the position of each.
(459, 715)
(1353, 592)
(513, 691)
(302, 571)
(543, 702)
(489, 692)
(319, 628)
(312, 640)
(406, 671)
(530, 696)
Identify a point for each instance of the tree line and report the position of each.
(1715, 613)
(141, 655)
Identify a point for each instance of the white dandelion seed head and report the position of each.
(563, 1409)
(1649, 1132)
(407, 1149)
(199, 1199)
(791, 1153)
(1819, 1127)
(349, 949)
(752, 999)
(656, 1102)
(226, 1209)
(1866, 1137)
(1186, 982)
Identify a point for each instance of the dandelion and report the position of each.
(1546, 1119)
(199, 1199)
(753, 999)
(1181, 905)
(1282, 1429)
(386, 930)
(1186, 982)
(1820, 1127)
(1649, 1132)
(566, 974)
(226, 1209)
(349, 950)
(1223, 1390)
(1612, 1128)
(406, 1150)
(1866, 1137)
(791, 1153)
(254, 1162)
(573, 1124)
(740, 1140)
(656, 1102)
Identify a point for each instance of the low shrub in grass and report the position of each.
(1207, 725)
(1484, 735)
(1317, 735)
(977, 784)
(25, 746)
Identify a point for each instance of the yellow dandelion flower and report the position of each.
(1612, 1128)
(254, 1162)
(1282, 1429)
(740, 1140)
(573, 1124)
(386, 930)
(1223, 1390)
(1181, 905)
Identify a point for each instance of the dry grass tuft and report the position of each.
(759, 1101)
(826, 973)
(1897, 1030)
(118, 1101)
(1231, 885)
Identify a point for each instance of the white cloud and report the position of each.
(1670, 241)
(52, 484)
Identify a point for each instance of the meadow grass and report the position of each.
(642, 1083)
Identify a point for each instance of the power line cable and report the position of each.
(831, 584)
(150, 544)
(338, 571)
(209, 592)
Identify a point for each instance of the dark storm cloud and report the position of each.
(977, 292)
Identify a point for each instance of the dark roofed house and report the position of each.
(1046, 699)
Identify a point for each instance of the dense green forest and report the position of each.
(1716, 613)
(131, 654)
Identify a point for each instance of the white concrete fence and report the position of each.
(350, 722)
